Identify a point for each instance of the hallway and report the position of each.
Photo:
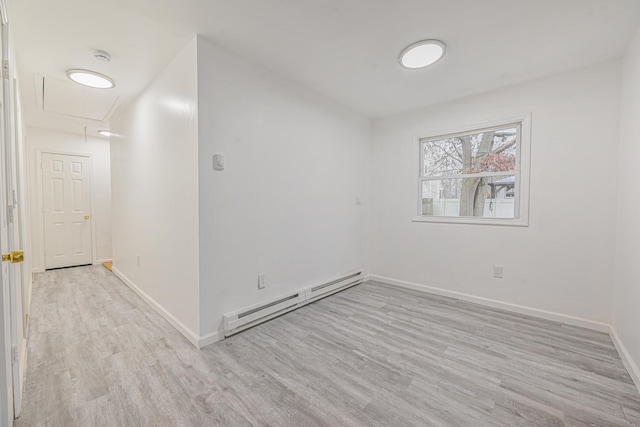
(99, 356)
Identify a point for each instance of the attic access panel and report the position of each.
(69, 99)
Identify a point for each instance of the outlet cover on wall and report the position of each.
(497, 271)
(262, 281)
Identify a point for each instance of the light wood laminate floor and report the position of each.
(373, 355)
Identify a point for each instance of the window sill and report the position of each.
(483, 221)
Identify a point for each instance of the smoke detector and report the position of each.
(102, 56)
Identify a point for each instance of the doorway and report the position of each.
(66, 208)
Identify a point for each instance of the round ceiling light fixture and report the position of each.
(91, 79)
(105, 133)
(422, 54)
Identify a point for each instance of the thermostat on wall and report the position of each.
(218, 162)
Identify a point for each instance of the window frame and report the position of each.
(521, 172)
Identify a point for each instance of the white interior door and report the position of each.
(8, 372)
(11, 241)
(10, 225)
(66, 192)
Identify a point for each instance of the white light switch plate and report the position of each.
(218, 162)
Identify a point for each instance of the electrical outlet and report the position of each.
(358, 200)
(262, 281)
(497, 271)
(138, 260)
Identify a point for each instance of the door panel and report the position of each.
(67, 210)
(11, 233)
(57, 195)
(77, 202)
(78, 238)
(9, 336)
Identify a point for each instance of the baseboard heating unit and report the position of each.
(245, 318)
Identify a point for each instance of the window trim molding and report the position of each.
(525, 170)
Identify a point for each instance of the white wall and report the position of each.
(155, 192)
(42, 140)
(563, 261)
(285, 204)
(627, 275)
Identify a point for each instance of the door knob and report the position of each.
(86, 217)
(13, 256)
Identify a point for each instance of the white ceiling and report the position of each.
(345, 50)
(53, 36)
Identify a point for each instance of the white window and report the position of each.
(476, 176)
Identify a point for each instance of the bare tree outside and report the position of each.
(471, 168)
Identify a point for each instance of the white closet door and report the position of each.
(66, 189)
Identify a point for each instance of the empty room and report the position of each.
(320, 213)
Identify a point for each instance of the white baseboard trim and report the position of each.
(535, 312)
(627, 360)
(100, 261)
(211, 338)
(184, 330)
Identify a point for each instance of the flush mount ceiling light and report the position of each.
(422, 54)
(91, 79)
(105, 133)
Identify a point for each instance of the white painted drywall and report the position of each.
(285, 204)
(43, 140)
(154, 159)
(563, 261)
(626, 317)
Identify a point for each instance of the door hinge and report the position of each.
(5, 69)
(14, 354)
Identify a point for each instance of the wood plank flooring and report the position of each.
(373, 355)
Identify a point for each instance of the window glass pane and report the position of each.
(489, 151)
(442, 157)
(486, 197)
